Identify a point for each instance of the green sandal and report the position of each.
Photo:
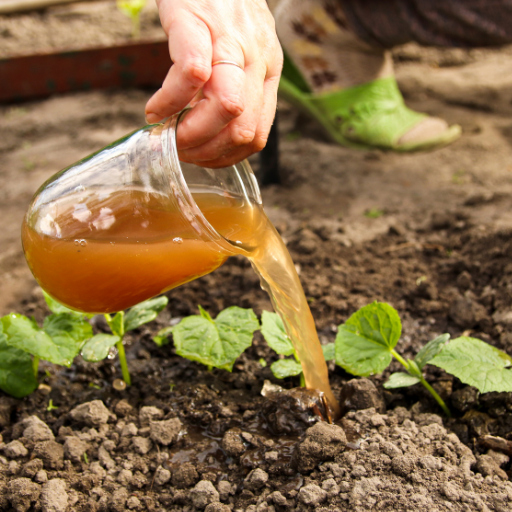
(372, 115)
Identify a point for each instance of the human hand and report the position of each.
(233, 107)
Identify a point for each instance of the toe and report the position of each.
(428, 129)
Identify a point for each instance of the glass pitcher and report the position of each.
(131, 221)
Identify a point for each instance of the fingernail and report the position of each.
(152, 118)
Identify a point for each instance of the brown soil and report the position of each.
(73, 27)
(440, 252)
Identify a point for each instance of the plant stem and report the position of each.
(35, 365)
(123, 363)
(430, 389)
(400, 359)
(437, 398)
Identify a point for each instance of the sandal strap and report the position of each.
(373, 113)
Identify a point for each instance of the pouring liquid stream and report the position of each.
(105, 252)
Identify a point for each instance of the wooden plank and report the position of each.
(142, 64)
(13, 6)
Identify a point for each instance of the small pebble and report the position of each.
(15, 449)
(44, 389)
(41, 477)
(162, 475)
(129, 430)
(119, 385)
(133, 503)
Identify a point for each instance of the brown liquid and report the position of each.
(123, 247)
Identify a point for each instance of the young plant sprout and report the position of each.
(23, 344)
(214, 343)
(132, 9)
(98, 347)
(51, 407)
(218, 343)
(365, 345)
(64, 334)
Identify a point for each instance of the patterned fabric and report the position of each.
(462, 23)
(330, 57)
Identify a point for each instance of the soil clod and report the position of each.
(360, 394)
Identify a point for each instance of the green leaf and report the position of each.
(329, 351)
(116, 324)
(16, 372)
(69, 332)
(97, 348)
(273, 331)
(76, 327)
(162, 337)
(476, 363)
(144, 312)
(285, 368)
(414, 369)
(400, 380)
(364, 342)
(205, 314)
(430, 350)
(21, 333)
(57, 307)
(216, 343)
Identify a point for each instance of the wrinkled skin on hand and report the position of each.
(233, 108)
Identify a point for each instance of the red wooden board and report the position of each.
(142, 64)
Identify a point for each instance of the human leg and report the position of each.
(348, 83)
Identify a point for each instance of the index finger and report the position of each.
(190, 48)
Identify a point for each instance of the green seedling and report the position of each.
(23, 344)
(98, 347)
(365, 345)
(373, 213)
(459, 176)
(214, 343)
(28, 164)
(51, 407)
(162, 338)
(218, 343)
(132, 9)
(86, 459)
(273, 331)
(64, 334)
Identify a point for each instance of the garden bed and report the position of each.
(428, 233)
(399, 454)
